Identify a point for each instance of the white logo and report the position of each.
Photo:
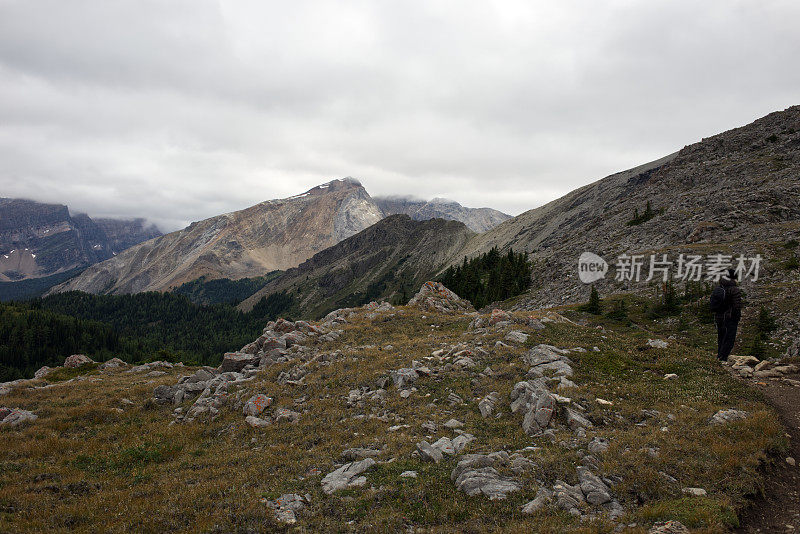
(591, 267)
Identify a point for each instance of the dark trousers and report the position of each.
(726, 336)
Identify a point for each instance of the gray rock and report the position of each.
(594, 489)
(43, 372)
(16, 416)
(569, 498)
(453, 424)
(408, 474)
(668, 527)
(575, 420)
(403, 377)
(113, 363)
(236, 361)
(287, 506)
(346, 476)
(454, 400)
(486, 481)
(428, 453)
(598, 445)
(546, 359)
(543, 497)
(727, 416)
(359, 453)
(256, 422)
(164, 393)
(515, 336)
(695, 492)
(487, 404)
(445, 445)
(461, 441)
(285, 414)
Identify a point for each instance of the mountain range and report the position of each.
(272, 235)
(39, 240)
(734, 193)
(477, 219)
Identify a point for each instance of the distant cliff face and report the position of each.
(272, 235)
(38, 240)
(476, 219)
(123, 234)
(389, 259)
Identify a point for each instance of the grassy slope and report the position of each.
(212, 476)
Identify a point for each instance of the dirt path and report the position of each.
(779, 509)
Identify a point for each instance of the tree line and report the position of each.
(490, 277)
(136, 328)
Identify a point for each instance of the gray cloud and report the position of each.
(178, 111)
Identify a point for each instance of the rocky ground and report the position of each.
(429, 416)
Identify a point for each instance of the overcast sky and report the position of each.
(181, 110)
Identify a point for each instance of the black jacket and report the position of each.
(733, 294)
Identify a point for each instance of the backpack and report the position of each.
(719, 300)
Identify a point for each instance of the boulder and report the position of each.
(284, 414)
(359, 453)
(256, 422)
(461, 441)
(76, 360)
(453, 424)
(741, 361)
(113, 363)
(434, 296)
(575, 420)
(727, 416)
(16, 416)
(515, 336)
(236, 361)
(668, 527)
(486, 481)
(287, 506)
(499, 316)
(594, 490)
(257, 404)
(428, 453)
(346, 476)
(543, 497)
(695, 492)
(445, 445)
(487, 404)
(403, 377)
(43, 372)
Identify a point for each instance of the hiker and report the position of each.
(726, 303)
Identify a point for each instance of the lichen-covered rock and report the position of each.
(76, 360)
(43, 372)
(433, 296)
(113, 363)
(16, 416)
(257, 404)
